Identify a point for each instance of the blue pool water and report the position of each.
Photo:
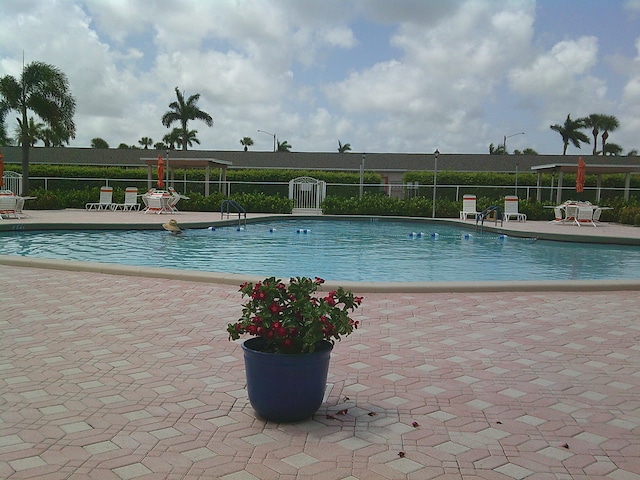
(362, 250)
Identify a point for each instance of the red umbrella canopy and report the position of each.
(160, 172)
(581, 175)
(1, 169)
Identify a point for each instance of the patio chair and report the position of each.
(175, 199)
(584, 215)
(596, 215)
(154, 204)
(511, 209)
(8, 206)
(130, 200)
(468, 207)
(106, 200)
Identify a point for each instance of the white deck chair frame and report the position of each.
(511, 209)
(468, 207)
(106, 200)
(130, 200)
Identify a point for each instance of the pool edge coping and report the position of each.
(361, 287)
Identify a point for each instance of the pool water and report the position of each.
(361, 250)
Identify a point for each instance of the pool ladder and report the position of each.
(493, 213)
(225, 209)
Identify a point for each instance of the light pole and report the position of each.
(436, 154)
(274, 138)
(167, 152)
(504, 141)
(362, 175)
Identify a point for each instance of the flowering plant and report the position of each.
(290, 318)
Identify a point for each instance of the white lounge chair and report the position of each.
(106, 200)
(511, 209)
(8, 206)
(130, 200)
(596, 215)
(468, 207)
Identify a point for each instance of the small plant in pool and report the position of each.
(292, 318)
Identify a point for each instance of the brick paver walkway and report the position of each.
(114, 377)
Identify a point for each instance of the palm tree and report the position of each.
(99, 143)
(343, 148)
(44, 90)
(609, 124)
(160, 146)
(594, 122)
(570, 132)
(247, 142)
(52, 138)
(146, 142)
(499, 150)
(4, 138)
(34, 132)
(283, 146)
(182, 112)
(632, 153)
(189, 139)
(172, 138)
(613, 149)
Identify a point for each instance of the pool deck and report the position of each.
(133, 377)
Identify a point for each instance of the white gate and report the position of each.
(307, 194)
(13, 182)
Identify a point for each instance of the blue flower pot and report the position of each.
(286, 388)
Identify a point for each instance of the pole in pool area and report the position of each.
(167, 152)
(362, 175)
(504, 141)
(436, 154)
(517, 179)
(274, 139)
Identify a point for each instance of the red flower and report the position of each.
(275, 308)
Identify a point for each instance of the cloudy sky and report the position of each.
(381, 75)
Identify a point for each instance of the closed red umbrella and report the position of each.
(1, 169)
(160, 172)
(581, 175)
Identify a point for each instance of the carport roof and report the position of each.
(591, 168)
(189, 162)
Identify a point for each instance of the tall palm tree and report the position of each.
(570, 132)
(609, 124)
(247, 142)
(146, 142)
(343, 148)
(594, 122)
(283, 146)
(43, 89)
(182, 112)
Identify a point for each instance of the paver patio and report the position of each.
(120, 377)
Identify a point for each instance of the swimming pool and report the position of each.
(369, 250)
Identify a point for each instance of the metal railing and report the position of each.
(395, 190)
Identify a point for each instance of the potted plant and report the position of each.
(293, 329)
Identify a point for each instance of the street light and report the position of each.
(436, 154)
(504, 141)
(362, 175)
(274, 138)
